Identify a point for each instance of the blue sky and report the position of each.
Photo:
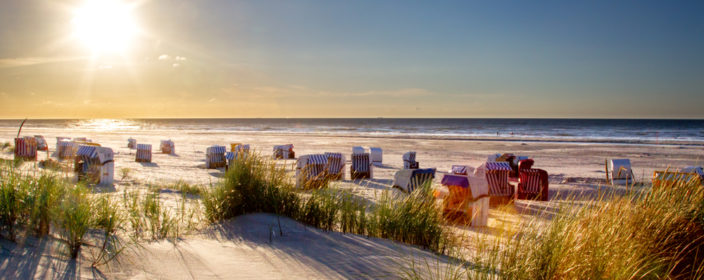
(628, 59)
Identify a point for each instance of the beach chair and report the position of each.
(284, 152)
(376, 155)
(233, 146)
(410, 179)
(167, 147)
(215, 157)
(132, 143)
(41, 143)
(144, 153)
(409, 160)
(335, 166)
(26, 148)
(94, 165)
(66, 149)
(361, 167)
(461, 170)
(311, 172)
(532, 183)
(500, 191)
(230, 157)
(618, 172)
(669, 178)
(468, 196)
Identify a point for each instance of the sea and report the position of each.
(632, 131)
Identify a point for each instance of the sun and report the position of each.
(104, 26)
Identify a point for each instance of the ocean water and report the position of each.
(573, 130)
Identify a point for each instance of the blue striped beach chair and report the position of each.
(500, 191)
(335, 166)
(410, 179)
(409, 160)
(361, 167)
(311, 171)
(94, 164)
(144, 153)
(26, 148)
(215, 157)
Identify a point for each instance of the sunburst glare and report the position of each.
(105, 26)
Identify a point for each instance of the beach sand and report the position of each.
(243, 249)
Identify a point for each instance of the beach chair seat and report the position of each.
(468, 196)
(284, 152)
(668, 178)
(376, 155)
(167, 147)
(361, 167)
(618, 172)
(41, 143)
(500, 191)
(25, 148)
(94, 165)
(144, 153)
(409, 160)
(215, 157)
(410, 179)
(132, 143)
(311, 171)
(335, 166)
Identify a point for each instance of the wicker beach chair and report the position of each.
(376, 155)
(311, 171)
(66, 149)
(26, 148)
(41, 143)
(132, 143)
(361, 167)
(461, 170)
(94, 165)
(167, 147)
(409, 160)
(284, 152)
(410, 179)
(215, 157)
(144, 153)
(532, 183)
(500, 191)
(335, 166)
(468, 198)
(618, 172)
(669, 178)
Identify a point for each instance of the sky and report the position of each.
(463, 59)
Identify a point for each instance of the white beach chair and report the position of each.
(215, 157)
(376, 155)
(410, 179)
(335, 166)
(310, 171)
(409, 160)
(619, 172)
(95, 164)
(357, 150)
(284, 152)
(361, 167)
(144, 153)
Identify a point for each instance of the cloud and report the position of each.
(302, 91)
(29, 61)
(164, 57)
(176, 65)
(180, 58)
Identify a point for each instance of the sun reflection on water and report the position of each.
(107, 125)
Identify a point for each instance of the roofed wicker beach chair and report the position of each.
(361, 167)
(336, 166)
(144, 153)
(468, 198)
(377, 155)
(618, 172)
(410, 179)
(461, 169)
(500, 191)
(132, 143)
(284, 152)
(41, 143)
(409, 160)
(167, 147)
(215, 157)
(233, 146)
(66, 149)
(26, 148)
(311, 171)
(532, 183)
(94, 165)
(669, 178)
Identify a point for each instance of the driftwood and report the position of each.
(20, 130)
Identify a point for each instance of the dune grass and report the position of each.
(255, 184)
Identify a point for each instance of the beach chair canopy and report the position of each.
(335, 162)
(461, 170)
(620, 171)
(357, 150)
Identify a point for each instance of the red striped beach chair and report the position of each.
(361, 167)
(532, 184)
(215, 157)
(41, 143)
(409, 160)
(26, 148)
(167, 147)
(144, 153)
(311, 171)
(500, 191)
(335, 166)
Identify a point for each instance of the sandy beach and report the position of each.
(242, 248)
